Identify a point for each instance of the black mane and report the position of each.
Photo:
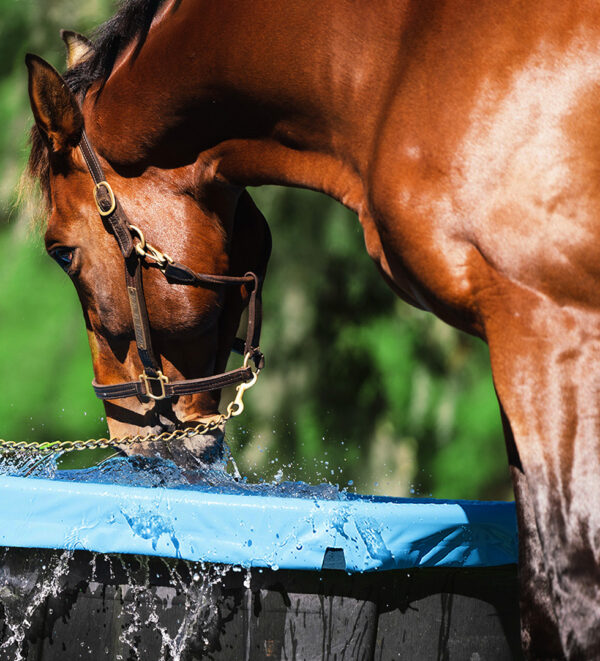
(130, 24)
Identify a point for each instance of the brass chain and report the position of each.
(234, 408)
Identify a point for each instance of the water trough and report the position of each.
(92, 567)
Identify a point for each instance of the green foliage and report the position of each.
(358, 386)
(45, 366)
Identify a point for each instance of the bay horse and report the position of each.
(465, 135)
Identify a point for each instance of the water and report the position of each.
(154, 472)
(57, 605)
(23, 597)
(61, 604)
(142, 608)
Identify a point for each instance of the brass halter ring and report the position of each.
(148, 251)
(111, 195)
(140, 246)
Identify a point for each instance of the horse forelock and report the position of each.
(131, 23)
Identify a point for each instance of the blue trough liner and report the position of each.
(355, 533)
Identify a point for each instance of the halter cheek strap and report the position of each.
(134, 248)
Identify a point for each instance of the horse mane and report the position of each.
(131, 23)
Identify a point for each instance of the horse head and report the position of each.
(209, 227)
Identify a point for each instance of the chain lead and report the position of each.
(234, 408)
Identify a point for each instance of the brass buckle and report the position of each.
(161, 378)
(113, 200)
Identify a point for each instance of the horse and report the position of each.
(464, 135)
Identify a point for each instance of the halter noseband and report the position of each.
(134, 248)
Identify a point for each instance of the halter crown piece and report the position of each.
(152, 382)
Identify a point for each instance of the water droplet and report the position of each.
(299, 546)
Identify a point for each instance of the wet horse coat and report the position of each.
(466, 137)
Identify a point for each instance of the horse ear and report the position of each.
(250, 247)
(55, 108)
(78, 47)
(249, 250)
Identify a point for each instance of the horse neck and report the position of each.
(271, 93)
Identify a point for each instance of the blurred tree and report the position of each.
(359, 385)
(43, 347)
(359, 389)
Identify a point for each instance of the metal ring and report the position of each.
(139, 247)
(249, 362)
(113, 199)
(234, 409)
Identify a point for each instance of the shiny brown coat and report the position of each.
(466, 136)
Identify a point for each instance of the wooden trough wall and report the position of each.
(134, 607)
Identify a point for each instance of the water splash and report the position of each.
(370, 532)
(193, 592)
(29, 464)
(190, 633)
(154, 472)
(167, 609)
(23, 595)
(150, 526)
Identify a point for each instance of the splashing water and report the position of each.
(175, 618)
(28, 464)
(155, 472)
(22, 596)
(167, 610)
(196, 603)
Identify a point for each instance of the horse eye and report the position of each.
(63, 257)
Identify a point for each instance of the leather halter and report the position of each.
(152, 382)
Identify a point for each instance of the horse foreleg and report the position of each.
(546, 367)
(539, 628)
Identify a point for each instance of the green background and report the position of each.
(360, 389)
